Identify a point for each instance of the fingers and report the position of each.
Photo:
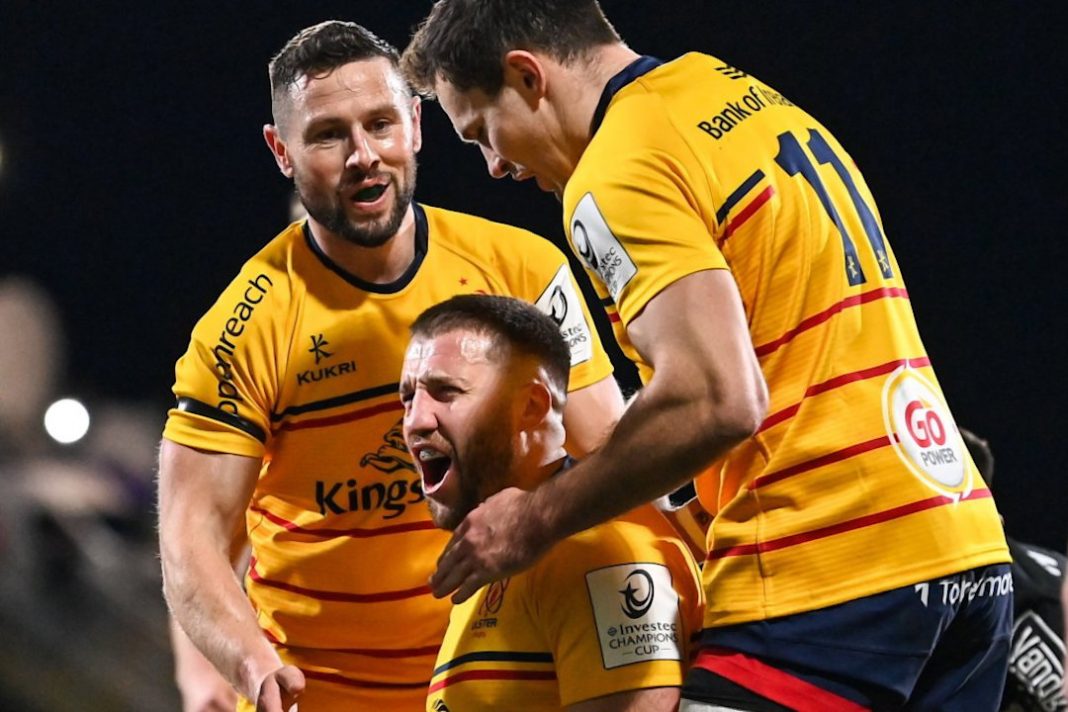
(453, 566)
(470, 587)
(449, 575)
(291, 680)
(270, 698)
(280, 690)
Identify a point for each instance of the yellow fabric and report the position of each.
(699, 166)
(533, 643)
(342, 542)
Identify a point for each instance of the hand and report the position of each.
(280, 689)
(208, 694)
(500, 537)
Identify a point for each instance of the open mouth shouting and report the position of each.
(434, 467)
(369, 196)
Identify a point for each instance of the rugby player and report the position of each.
(287, 427)
(601, 623)
(740, 254)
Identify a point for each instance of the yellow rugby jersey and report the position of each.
(858, 481)
(608, 610)
(298, 363)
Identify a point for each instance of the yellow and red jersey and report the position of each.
(858, 481)
(298, 363)
(608, 610)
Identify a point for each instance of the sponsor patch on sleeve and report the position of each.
(599, 248)
(637, 614)
(561, 302)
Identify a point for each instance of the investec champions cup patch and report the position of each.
(924, 434)
(637, 614)
(599, 248)
(561, 302)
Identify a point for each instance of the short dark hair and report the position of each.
(981, 454)
(513, 324)
(464, 41)
(322, 48)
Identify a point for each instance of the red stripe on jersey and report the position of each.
(747, 212)
(325, 533)
(353, 682)
(772, 683)
(343, 418)
(493, 675)
(613, 317)
(842, 527)
(817, 319)
(370, 652)
(836, 456)
(337, 595)
(838, 381)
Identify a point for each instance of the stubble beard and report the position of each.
(483, 469)
(329, 211)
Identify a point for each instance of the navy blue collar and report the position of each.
(566, 464)
(642, 65)
(422, 239)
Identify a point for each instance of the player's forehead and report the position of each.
(456, 351)
(367, 82)
(465, 109)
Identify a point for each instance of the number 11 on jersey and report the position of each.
(793, 159)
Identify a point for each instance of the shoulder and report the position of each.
(481, 238)
(265, 282)
(617, 544)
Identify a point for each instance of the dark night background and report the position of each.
(135, 180)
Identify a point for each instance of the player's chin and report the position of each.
(444, 516)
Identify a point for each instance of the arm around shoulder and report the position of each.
(707, 395)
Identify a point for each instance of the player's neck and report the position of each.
(580, 92)
(538, 464)
(378, 265)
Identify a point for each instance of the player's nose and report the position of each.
(420, 418)
(497, 166)
(364, 156)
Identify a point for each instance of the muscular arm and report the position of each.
(653, 699)
(202, 502)
(590, 414)
(707, 394)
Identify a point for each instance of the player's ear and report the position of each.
(537, 402)
(525, 72)
(417, 123)
(277, 145)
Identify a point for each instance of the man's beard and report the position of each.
(483, 469)
(329, 211)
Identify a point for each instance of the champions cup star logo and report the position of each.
(638, 594)
(318, 342)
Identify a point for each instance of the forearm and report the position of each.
(664, 439)
(208, 603)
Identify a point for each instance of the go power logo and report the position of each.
(924, 435)
(637, 613)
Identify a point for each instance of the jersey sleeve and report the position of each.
(226, 381)
(617, 616)
(632, 209)
(551, 286)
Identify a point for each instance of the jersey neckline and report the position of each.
(422, 240)
(639, 67)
